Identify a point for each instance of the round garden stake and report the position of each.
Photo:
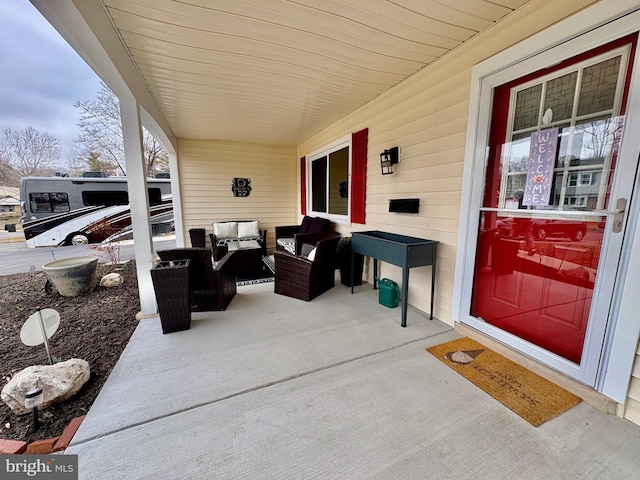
(39, 328)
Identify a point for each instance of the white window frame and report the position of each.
(578, 179)
(584, 31)
(322, 152)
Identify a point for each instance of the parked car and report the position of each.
(543, 228)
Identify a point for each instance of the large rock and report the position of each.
(58, 382)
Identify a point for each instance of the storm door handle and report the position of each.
(618, 214)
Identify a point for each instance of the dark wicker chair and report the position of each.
(211, 288)
(311, 230)
(299, 277)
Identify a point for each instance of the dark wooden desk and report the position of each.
(401, 250)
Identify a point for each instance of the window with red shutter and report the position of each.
(334, 180)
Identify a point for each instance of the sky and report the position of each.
(41, 76)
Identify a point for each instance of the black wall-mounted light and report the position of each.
(388, 158)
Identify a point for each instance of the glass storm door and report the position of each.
(547, 210)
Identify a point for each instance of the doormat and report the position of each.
(534, 398)
(267, 275)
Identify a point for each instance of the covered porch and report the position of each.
(278, 388)
(259, 91)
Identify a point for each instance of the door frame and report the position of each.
(588, 29)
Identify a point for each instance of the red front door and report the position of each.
(553, 152)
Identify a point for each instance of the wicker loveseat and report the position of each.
(292, 237)
(231, 230)
(211, 288)
(307, 276)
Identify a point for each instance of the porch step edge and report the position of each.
(586, 393)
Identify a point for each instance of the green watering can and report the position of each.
(389, 292)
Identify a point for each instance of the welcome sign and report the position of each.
(542, 157)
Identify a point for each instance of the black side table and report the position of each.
(171, 284)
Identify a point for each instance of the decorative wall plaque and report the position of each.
(241, 187)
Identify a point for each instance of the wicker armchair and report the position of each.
(299, 277)
(311, 230)
(211, 288)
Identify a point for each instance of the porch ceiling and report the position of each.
(278, 71)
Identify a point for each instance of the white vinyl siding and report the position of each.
(632, 406)
(426, 117)
(207, 169)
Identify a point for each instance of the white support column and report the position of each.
(139, 201)
(176, 195)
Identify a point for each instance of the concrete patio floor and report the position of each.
(277, 388)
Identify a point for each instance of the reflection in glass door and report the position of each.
(553, 152)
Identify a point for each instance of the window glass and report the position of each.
(588, 136)
(598, 86)
(593, 141)
(559, 95)
(527, 107)
(41, 202)
(59, 202)
(338, 181)
(155, 196)
(329, 182)
(319, 185)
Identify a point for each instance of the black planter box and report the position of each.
(344, 263)
(171, 284)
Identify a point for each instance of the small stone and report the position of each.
(111, 280)
(58, 382)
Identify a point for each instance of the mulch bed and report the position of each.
(94, 327)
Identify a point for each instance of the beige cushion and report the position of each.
(225, 229)
(248, 229)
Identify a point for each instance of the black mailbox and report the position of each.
(404, 205)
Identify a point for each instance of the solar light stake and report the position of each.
(33, 399)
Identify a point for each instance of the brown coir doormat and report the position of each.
(529, 395)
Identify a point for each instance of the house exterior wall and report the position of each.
(426, 117)
(632, 406)
(10, 201)
(207, 169)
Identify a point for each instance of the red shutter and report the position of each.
(303, 185)
(358, 175)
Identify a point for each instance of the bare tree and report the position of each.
(76, 163)
(9, 177)
(28, 152)
(100, 142)
(157, 158)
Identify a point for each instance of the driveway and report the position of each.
(16, 257)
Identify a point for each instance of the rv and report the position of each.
(88, 209)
